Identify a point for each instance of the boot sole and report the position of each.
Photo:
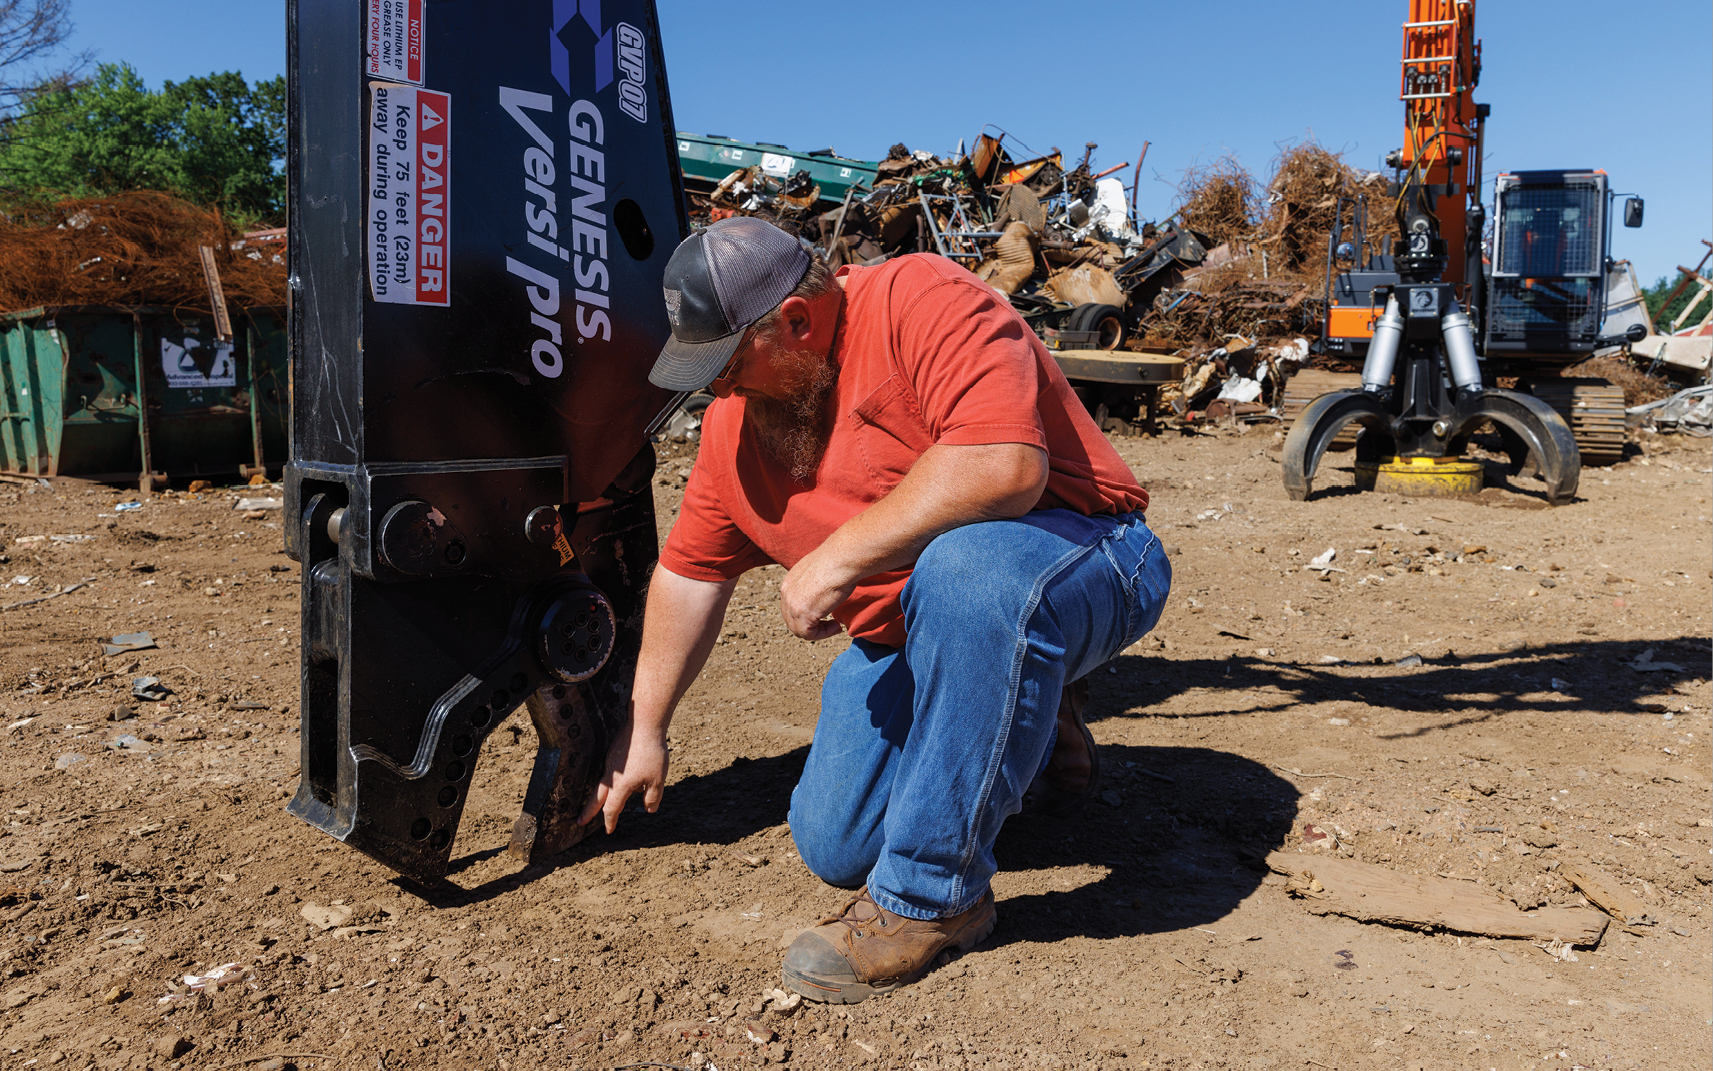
(853, 992)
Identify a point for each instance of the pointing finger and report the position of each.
(615, 806)
(596, 799)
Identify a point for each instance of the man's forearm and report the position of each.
(949, 486)
(679, 628)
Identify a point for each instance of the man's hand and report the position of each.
(947, 487)
(678, 631)
(635, 762)
(813, 589)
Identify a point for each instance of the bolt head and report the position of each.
(542, 526)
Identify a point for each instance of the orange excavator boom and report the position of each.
(1441, 155)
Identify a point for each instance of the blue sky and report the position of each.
(1572, 83)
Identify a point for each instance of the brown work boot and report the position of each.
(1073, 772)
(866, 949)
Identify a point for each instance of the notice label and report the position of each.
(189, 363)
(394, 41)
(410, 195)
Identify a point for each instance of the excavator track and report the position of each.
(1594, 409)
(1311, 383)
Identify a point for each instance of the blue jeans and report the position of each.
(922, 751)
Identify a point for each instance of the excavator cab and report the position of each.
(1546, 284)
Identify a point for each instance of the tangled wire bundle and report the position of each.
(1219, 200)
(1228, 301)
(1303, 198)
(1273, 286)
(1639, 387)
(138, 248)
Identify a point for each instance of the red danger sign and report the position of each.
(410, 195)
(394, 41)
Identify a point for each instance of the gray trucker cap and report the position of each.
(718, 282)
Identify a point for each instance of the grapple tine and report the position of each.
(1315, 428)
(1549, 439)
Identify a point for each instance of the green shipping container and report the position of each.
(75, 379)
(710, 158)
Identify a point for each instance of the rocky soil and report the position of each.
(1486, 689)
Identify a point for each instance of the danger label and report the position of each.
(410, 195)
(394, 41)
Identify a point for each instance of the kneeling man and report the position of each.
(897, 438)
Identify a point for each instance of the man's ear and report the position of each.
(796, 318)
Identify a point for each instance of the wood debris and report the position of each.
(1370, 893)
(1604, 893)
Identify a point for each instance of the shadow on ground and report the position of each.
(1594, 677)
(1182, 831)
(719, 807)
(1186, 839)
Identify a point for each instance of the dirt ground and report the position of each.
(1485, 688)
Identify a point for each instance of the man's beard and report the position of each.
(794, 430)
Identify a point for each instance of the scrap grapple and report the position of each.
(1441, 318)
(1410, 408)
(483, 200)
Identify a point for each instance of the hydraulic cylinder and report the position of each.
(1460, 350)
(1383, 349)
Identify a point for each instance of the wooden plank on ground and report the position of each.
(1370, 893)
(1604, 893)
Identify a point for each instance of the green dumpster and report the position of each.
(77, 381)
(266, 349)
(710, 158)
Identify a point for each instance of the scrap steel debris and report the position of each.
(1233, 280)
(138, 248)
(1689, 411)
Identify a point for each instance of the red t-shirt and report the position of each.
(928, 355)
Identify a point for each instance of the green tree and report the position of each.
(1664, 313)
(232, 142)
(212, 140)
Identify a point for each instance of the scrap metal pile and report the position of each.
(138, 248)
(1233, 280)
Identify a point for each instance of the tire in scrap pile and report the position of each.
(1107, 321)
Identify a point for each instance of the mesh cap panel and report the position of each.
(716, 285)
(754, 266)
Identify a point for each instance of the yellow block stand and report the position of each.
(1433, 476)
